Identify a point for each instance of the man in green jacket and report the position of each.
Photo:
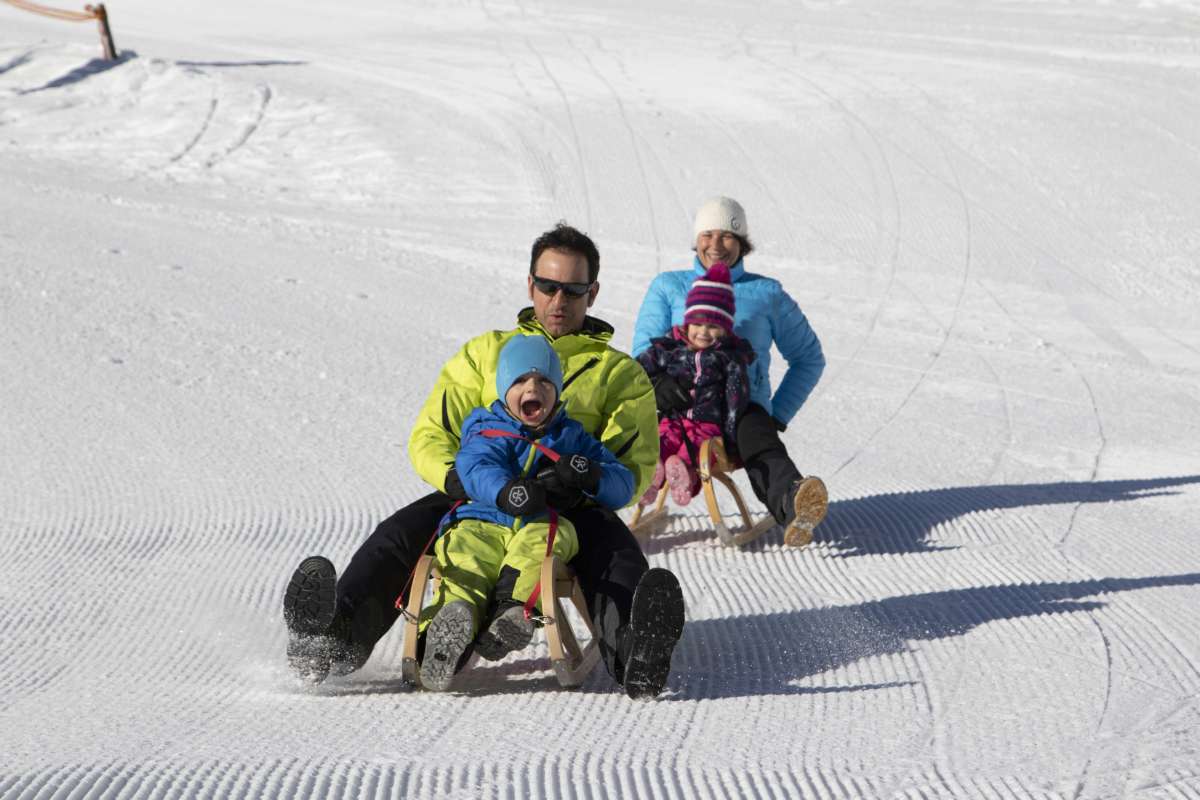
(638, 612)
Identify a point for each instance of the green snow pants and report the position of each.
(473, 552)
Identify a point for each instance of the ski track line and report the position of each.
(893, 257)
(534, 157)
(949, 329)
(1088, 232)
(668, 181)
(205, 124)
(263, 98)
(583, 175)
(637, 154)
(1100, 447)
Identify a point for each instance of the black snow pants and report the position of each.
(609, 565)
(771, 471)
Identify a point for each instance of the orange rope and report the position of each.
(56, 13)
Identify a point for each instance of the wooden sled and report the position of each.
(571, 662)
(715, 465)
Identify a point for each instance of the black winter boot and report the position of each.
(309, 606)
(447, 640)
(655, 625)
(508, 632)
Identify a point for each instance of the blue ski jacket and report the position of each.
(765, 314)
(485, 464)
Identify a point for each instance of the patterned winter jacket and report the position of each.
(766, 314)
(486, 463)
(716, 376)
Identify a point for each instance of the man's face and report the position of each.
(559, 313)
(718, 247)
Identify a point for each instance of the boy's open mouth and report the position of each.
(530, 408)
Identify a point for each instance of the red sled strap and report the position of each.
(497, 433)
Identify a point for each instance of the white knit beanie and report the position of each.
(721, 214)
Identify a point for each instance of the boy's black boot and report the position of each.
(655, 625)
(508, 632)
(447, 640)
(309, 606)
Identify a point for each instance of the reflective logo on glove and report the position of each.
(579, 463)
(518, 496)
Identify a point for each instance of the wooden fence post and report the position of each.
(106, 39)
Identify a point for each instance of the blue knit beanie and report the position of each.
(523, 355)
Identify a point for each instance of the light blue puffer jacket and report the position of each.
(765, 314)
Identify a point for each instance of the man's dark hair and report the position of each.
(566, 239)
(743, 242)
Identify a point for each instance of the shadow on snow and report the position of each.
(83, 72)
(767, 654)
(901, 522)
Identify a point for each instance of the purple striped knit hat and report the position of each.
(710, 300)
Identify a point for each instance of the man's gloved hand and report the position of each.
(578, 472)
(522, 497)
(669, 396)
(454, 488)
(558, 494)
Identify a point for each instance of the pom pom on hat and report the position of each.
(710, 300)
(721, 214)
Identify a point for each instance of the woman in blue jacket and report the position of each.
(766, 315)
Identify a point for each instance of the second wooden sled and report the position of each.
(715, 465)
(571, 662)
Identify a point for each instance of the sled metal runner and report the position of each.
(715, 465)
(571, 662)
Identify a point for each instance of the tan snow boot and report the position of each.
(810, 502)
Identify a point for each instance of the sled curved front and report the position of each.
(642, 525)
(410, 667)
(715, 465)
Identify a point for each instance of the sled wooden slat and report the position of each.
(571, 662)
(410, 667)
(715, 466)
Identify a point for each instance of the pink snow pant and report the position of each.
(682, 437)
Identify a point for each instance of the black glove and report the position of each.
(669, 396)
(578, 472)
(558, 494)
(779, 426)
(522, 497)
(454, 488)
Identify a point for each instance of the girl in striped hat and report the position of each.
(704, 357)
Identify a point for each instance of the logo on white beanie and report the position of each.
(721, 214)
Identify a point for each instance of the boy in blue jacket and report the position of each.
(492, 547)
(766, 314)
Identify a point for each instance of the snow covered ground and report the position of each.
(232, 264)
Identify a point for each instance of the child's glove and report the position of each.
(558, 494)
(454, 488)
(578, 472)
(522, 497)
(669, 396)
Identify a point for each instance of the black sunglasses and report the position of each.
(551, 288)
